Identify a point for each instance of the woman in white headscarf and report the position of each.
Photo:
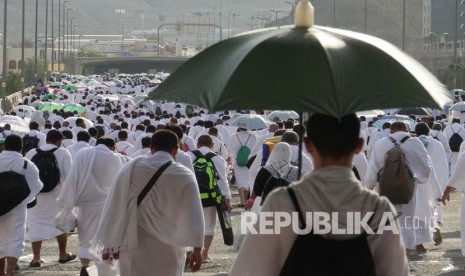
(277, 172)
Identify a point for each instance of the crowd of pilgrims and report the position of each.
(116, 137)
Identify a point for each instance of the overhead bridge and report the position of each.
(130, 65)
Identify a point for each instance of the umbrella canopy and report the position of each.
(318, 69)
(414, 111)
(22, 108)
(36, 104)
(49, 97)
(395, 118)
(370, 113)
(460, 107)
(50, 107)
(18, 125)
(70, 87)
(72, 121)
(283, 115)
(74, 107)
(249, 121)
(138, 99)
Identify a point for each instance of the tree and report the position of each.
(13, 83)
(29, 71)
(84, 52)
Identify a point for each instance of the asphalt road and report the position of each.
(445, 259)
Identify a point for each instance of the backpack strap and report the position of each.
(152, 182)
(404, 139)
(25, 165)
(297, 207)
(210, 155)
(239, 140)
(247, 139)
(393, 140)
(197, 153)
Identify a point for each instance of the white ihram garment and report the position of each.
(41, 219)
(419, 164)
(152, 237)
(87, 187)
(13, 223)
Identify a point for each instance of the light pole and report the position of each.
(122, 12)
(46, 42)
(276, 16)
(221, 15)
(4, 54)
(263, 19)
(455, 43)
(234, 23)
(53, 41)
(74, 45)
(35, 47)
(22, 48)
(68, 44)
(403, 26)
(60, 26)
(366, 15)
(65, 36)
(292, 10)
(334, 14)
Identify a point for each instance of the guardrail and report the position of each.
(14, 100)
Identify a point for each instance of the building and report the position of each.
(14, 62)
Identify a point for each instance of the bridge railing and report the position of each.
(13, 100)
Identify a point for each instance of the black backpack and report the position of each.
(455, 141)
(13, 190)
(29, 143)
(315, 255)
(271, 184)
(47, 164)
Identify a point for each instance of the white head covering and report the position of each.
(280, 159)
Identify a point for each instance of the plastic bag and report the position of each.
(66, 220)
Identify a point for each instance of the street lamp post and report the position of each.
(263, 19)
(46, 41)
(22, 48)
(366, 15)
(334, 13)
(4, 54)
(276, 16)
(68, 44)
(292, 10)
(403, 26)
(74, 45)
(35, 47)
(455, 43)
(61, 25)
(53, 41)
(66, 35)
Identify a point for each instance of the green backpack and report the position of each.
(243, 153)
(207, 178)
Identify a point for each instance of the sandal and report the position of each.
(69, 258)
(32, 264)
(207, 260)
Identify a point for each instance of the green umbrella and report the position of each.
(70, 87)
(49, 97)
(308, 68)
(50, 107)
(56, 84)
(74, 107)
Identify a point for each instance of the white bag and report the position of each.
(102, 269)
(66, 220)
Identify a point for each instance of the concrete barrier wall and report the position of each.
(13, 100)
